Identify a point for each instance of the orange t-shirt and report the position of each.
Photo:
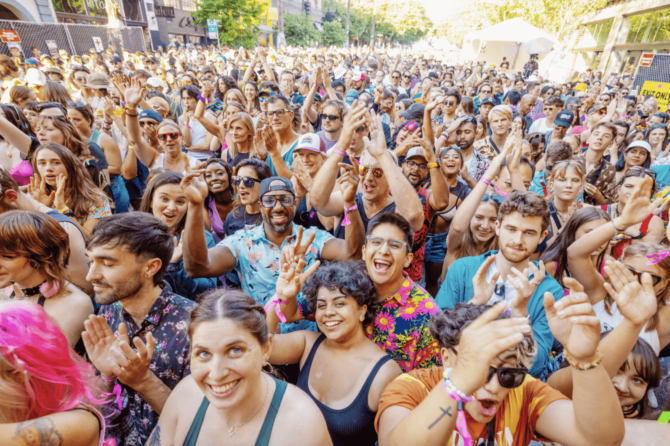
(515, 419)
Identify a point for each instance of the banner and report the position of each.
(660, 91)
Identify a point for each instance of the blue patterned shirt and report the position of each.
(167, 321)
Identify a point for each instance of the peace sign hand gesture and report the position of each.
(297, 251)
(292, 278)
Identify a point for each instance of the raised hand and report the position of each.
(353, 120)
(292, 278)
(525, 288)
(195, 189)
(483, 289)
(98, 340)
(349, 181)
(638, 207)
(134, 93)
(481, 341)
(178, 252)
(573, 322)
(636, 301)
(60, 201)
(296, 251)
(428, 151)
(302, 177)
(377, 147)
(131, 367)
(319, 76)
(207, 89)
(38, 190)
(270, 138)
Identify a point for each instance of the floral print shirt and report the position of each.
(167, 321)
(401, 327)
(97, 212)
(477, 165)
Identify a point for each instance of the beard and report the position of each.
(277, 228)
(514, 256)
(114, 294)
(414, 180)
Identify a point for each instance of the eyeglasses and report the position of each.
(508, 377)
(486, 92)
(395, 246)
(171, 136)
(495, 198)
(269, 201)
(329, 117)
(412, 165)
(377, 172)
(655, 280)
(150, 123)
(395, 77)
(279, 113)
(248, 181)
(649, 172)
(361, 129)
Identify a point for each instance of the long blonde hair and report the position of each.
(249, 124)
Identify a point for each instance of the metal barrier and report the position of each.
(75, 39)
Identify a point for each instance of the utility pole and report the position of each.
(281, 40)
(346, 28)
(374, 17)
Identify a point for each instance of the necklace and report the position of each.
(231, 431)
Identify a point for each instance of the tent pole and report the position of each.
(516, 56)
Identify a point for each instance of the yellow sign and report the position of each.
(660, 90)
(274, 14)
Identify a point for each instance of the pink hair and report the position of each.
(51, 376)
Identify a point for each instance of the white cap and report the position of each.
(35, 77)
(155, 82)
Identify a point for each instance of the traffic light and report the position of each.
(307, 6)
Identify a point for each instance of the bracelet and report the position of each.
(432, 165)
(123, 103)
(205, 100)
(340, 152)
(64, 210)
(345, 220)
(131, 108)
(274, 303)
(500, 192)
(583, 365)
(461, 398)
(107, 379)
(451, 389)
(619, 231)
(132, 116)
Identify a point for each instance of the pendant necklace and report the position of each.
(231, 431)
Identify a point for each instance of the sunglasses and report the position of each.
(269, 201)
(412, 165)
(659, 125)
(279, 113)
(150, 123)
(395, 246)
(486, 91)
(649, 172)
(395, 77)
(508, 377)
(77, 104)
(361, 129)
(329, 117)
(377, 172)
(495, 198)
(248, 181)
(655, 280)
(170, 136)
(263, 98)
(406, 77)
(450, 103)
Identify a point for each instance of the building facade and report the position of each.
(613, 40)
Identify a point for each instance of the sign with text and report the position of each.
(8, 35)
(53, 48)
(212, 29)
(97, 42)
(646, 59)
(165, 11)
(660, 91)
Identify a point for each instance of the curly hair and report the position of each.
(446, 328)
(351, 279)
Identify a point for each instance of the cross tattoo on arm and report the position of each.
(444, 412)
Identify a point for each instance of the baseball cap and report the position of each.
(594, 109)
(54, 70)
(564, 118)
(311, 141)
(152, 59)
(266, 91)
(358, 76)
(30, 61)
(351, 96)
(35, 77)
(488, 101)
(97, 81)
(414, 152)
(275, 183)
(640, 143)
(155, 82)
(415, 111)
(116, 59)
(150, 114)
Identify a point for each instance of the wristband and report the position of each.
(274, 303)
(495, 187)
(107, 379)
(123, 103)
(618, 231)
(461, 398)
(132, 116)
(203, 99)
(432, 165)
(345, 220)
(340, 152)
(64, 210)
(582, 365)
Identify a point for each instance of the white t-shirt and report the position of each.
(509, 290)
(540, 125)
(609, 322)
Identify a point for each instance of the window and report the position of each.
(649, 27)
(133, 10)
(70, 6)
(96, 8)
(188, 5)
(596, 33)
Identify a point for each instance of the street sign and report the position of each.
(212, 29)
(97, 42)
(9, 36)
(646, 59)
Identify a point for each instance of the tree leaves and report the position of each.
(239, 19)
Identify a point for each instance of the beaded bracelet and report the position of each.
(581, 365)
(461, 398)
(345, 220)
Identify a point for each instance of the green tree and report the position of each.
(333, 34)
(299, 30)
(239, 19)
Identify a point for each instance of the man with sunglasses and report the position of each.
(508, 274)
(255, 254)
(482, 394)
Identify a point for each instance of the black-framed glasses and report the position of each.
(377, 172)
(495, 198)
(329, 117)
(269, 201)
(412, 165)
(655, 280)
(395, 246)
(279, 113)
(248, 181)
(508, 377)
(486, 92)
(450, 103)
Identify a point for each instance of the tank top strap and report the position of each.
(308, 363)
(194, 430)
(264, 435)
(373, 373)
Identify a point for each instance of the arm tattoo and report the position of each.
(444, 412)
(155, 439)
(39, 432)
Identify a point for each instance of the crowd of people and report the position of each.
(462, 253)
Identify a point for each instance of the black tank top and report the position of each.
(353, 425)
(339, 229)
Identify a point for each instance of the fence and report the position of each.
(75, 39)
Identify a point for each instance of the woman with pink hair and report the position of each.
(48, 394)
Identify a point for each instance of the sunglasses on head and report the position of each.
(329, 117)
(377, 172)
(170, 136)
(655, 280)
(270, 201)
(508, 377)
(248, 181)
(651, 173)
(496, 198)
(659, 125)
(77, 104)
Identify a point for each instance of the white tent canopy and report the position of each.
(504, 39)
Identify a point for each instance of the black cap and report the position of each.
(415, 111)
(116, 59)
(564, 118)
(488, 101)
(275, 183)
